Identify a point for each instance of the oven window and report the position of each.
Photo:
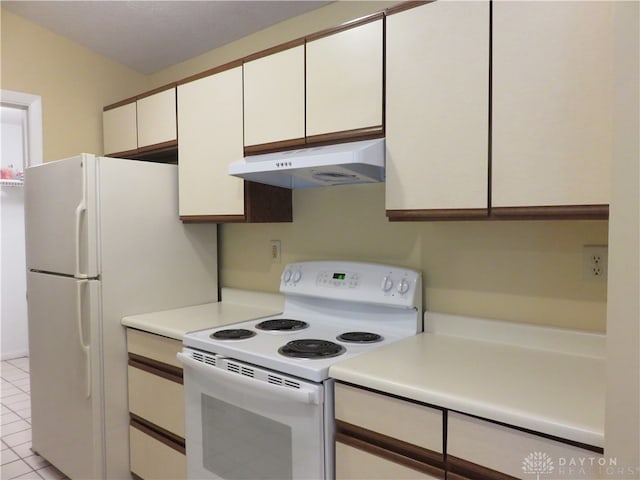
(239, 444)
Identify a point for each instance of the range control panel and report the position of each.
(352, 281)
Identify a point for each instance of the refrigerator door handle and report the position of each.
(79, 213)
(86, 348)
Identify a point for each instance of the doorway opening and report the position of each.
(21, 146)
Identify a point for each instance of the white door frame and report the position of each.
(33, 105)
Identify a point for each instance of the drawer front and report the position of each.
(354, 463)
(153, 459)
(403, 420)
(156, 347)
(512, 451)
(157, 400)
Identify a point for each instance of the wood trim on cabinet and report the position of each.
(394, 457)
(345, 26)
(211, 71)
(162, 155)
(148, 93)
(158, 433)
(274, 146)
(563, 212)
(401, 7)
(391, 449)
(171, 144)
(463, 469)
(169, 372)
(276, 49)
(366, 133)
(435, 215)
(213, 218)
(157, 90)
(120, 103)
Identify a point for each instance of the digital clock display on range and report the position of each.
(339, 276)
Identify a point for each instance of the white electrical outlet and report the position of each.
(595, 263)
(274, 246)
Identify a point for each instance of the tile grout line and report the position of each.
(41, 471)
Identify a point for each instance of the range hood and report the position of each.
(340, 164)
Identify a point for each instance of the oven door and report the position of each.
(245, 422)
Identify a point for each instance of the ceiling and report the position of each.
(149, 35)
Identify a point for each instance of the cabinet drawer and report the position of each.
(156, 347)
(354, 463)
(157, 400)
(154, 459)
(508, 450)
(406, 421)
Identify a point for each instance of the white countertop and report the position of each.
(544, 388)
(236, 306)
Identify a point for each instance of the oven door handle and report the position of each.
(300, 396)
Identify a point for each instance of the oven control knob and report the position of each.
(403, 287)
(286, 276)
(297, 275)
(387, 284)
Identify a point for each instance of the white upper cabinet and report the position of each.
(120, 130)
(142, 124)
(552, 104)
(344, 80)
(274, 98)
(437, 111)
(157, 118)
(210, 131)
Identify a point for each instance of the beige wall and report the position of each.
(74, 84)
(314, 21)
(512, 270)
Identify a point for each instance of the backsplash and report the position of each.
(523, 271)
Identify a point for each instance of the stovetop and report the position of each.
(326, 303)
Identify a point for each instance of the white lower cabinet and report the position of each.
(156, 407)
(384, 437)
(478, 449)
(152, 458)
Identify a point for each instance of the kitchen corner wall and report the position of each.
(74, 84)
(524, 271)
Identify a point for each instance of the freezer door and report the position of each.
(61, 216)
(66, 387)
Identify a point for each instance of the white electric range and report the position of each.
(263, 383)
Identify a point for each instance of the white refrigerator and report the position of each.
(103, 240)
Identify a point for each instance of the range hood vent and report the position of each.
(340, 164)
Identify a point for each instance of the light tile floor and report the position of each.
(18, 461)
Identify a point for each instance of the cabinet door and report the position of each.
(344, 80)
(274, 98)
(157, 118)
(482, 445)
(119, 129)
(210, 132)
(153, 458)
(552, 103)
(437, 110)
(354, 463)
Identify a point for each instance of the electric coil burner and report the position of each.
(282, 324)
(233, 334)
(359, 337)
(311, 348)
